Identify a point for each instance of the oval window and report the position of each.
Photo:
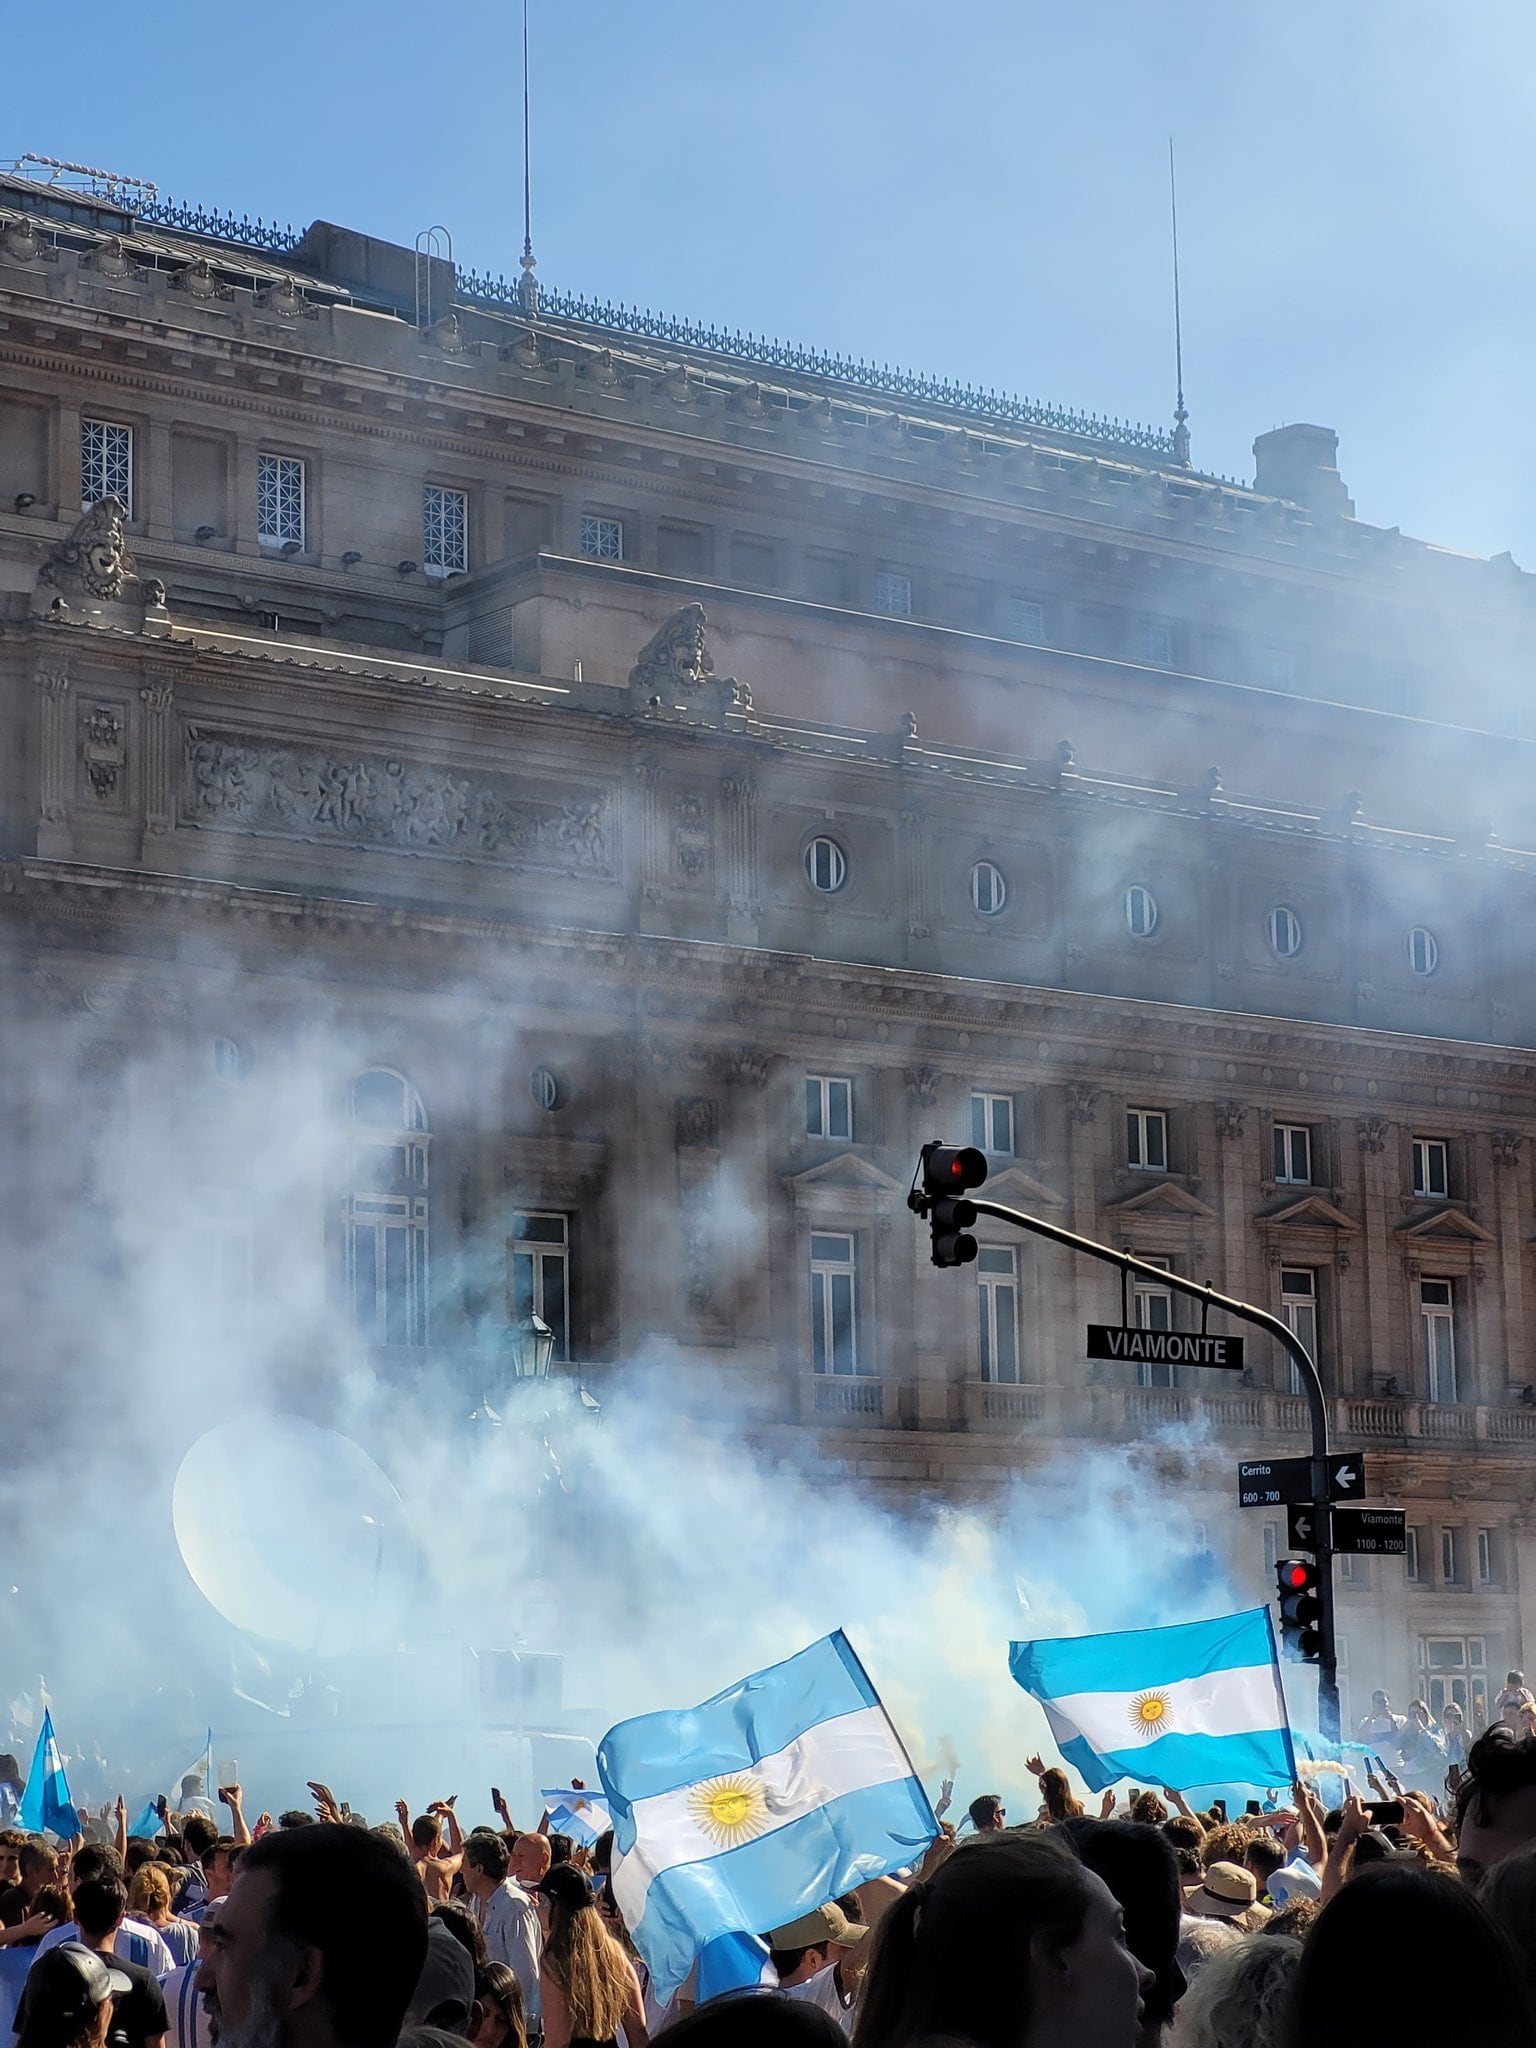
(989, 891)
(545, 1088)
(825, 867)
(1423, 950)
(1285, 931)
(1140, 911)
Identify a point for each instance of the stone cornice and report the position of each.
(1078, 1033)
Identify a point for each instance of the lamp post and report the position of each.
(531, 1344)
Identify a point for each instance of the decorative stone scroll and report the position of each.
(234, 783)
(95, 555)
(675, 669)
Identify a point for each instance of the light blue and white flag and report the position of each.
(734, 1962)
(200, 1768)
(1197, 1704)
(149, 1826)
(739, 1815)
(581, 1815)
(46, 1802)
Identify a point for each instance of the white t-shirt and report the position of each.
(135, 1941)
(822, 1990)
(190, 2027)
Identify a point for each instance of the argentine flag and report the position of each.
(46, 1802)
(1198, 1704)
(576, 1813)
(768, 1800)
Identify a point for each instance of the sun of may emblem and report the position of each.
(1149, 1714)
(729, 1810)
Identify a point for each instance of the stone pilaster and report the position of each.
(916, 885)
(739, 806)
(56, 763)
(157, 725)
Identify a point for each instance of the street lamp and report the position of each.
(532, 1345)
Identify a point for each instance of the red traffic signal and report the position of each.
(948, 1171)
(1301, 1607)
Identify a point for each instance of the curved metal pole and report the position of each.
(1312, 1386)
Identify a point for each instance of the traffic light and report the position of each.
(949, 1171)
(1301, 1608)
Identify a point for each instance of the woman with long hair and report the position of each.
(499, 1997)
(587, 1985)
(149, 1899)
(1238, 2000)
(1012, 1943)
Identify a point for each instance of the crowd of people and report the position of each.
(1405, 1921)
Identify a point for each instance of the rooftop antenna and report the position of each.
(1180, 415)
(527, 284)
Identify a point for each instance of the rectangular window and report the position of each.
(1454, 1669)
(1437, 1315)
(1298, 1308)
(106, 463)
(1352, 1569)
(997, 1308)
(602, 539)
(541, 1273)
(893, 594)
(1449, 1560)
(444, 531)
(1146, 1139)
(1153, 1310)
(1488, 1572)
(828, 1106)
(279, 500)
(992, 1124)
(834, 1304)
(1155, 643)
(1024, 619)
(1293, 1155)
(1271, 1548)
(1429, 1167)
(387, 1262)
(1412, 1570)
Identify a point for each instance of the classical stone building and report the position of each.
(691, 772)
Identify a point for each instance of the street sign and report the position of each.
(1346, 1475)
(1303, 1526)
(1273, 1482)
(1164, 1347)
(1278, 1482)
(1370, 1532)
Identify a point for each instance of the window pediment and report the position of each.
(1020, 1190)
(1448, 1226)
(847, 1176)
(1310, 1212)
(1165, 1200)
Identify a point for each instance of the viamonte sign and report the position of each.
(1164, 1347)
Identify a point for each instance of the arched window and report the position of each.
(1285, 931)
(826, 868)
(1423, 950)
(989, 890)
(386, 1209)
(1140, 911)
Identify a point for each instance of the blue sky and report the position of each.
(976, 189)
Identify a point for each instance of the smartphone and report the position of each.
(1386, 1813)
(1219, 1806)
(228, 1771)
(1253, 1807)
(496, 1797)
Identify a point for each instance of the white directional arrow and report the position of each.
(1345, 1476)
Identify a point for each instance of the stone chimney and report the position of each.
(1300, 463)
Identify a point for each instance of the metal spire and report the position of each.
(1180, 415)
(528, 284)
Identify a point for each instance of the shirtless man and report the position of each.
(436, 1864)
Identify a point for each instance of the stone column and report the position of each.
(1382, 1275)
(66, 461)
(739, 804)
(158, 775)
(649, 893)
(1086, 1287)
(55, 764)
(1509, 1253)
(1230, 1120)
(916, 886)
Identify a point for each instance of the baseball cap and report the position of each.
(69, 1983)
(828, 1926)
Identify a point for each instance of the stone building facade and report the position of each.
(692, 773)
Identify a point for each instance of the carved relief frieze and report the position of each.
(691, 840)
(239, 783)
(101, 750)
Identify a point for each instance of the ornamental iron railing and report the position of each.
(500, 294)
(782, 355)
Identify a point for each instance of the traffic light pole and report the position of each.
(1244, 1311)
